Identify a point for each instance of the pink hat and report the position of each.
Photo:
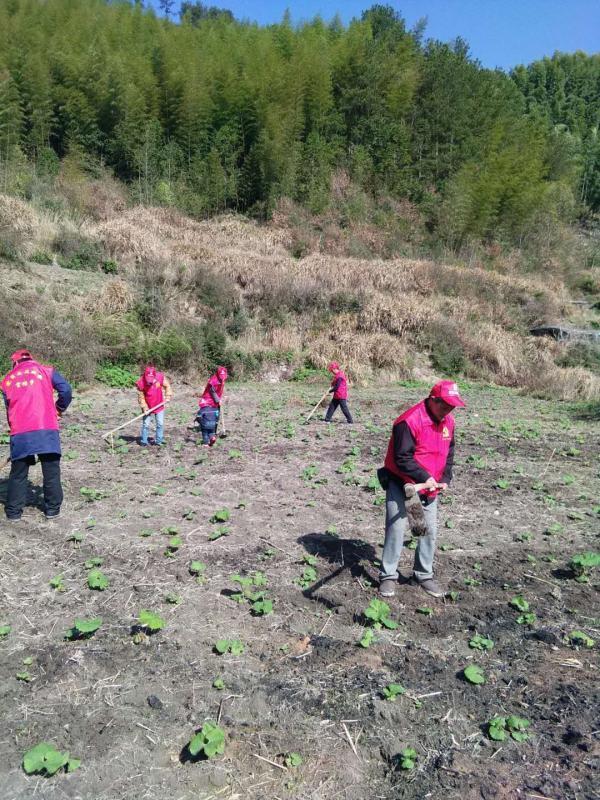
(448, 392)
(333, 366)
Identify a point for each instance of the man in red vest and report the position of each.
(421, 450)
(152, 402)
(339, 389)
(28, 392)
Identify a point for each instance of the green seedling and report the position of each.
(472, 582)
(580, 639)
(76, 537)
(159, 490)
(425, 610)
(145, 532)
(367, 638)
(45, 759)
(235, 454)
(189, 514)
(474, 674)
(444, 547)
(292, 760)
(310, 560)
(453, 596)
(553, 529)
(57, 582)
(223, 530)
(210, 741)
(526, 536)
(373, 485)
(90, 523)
(378, 613)
(582, 563)
(196, 568)
(90, 563)
(97, 580)
(412, 544)
(392, 691)
(23, 676)
(150, 621)
(262, 607)
(233, 646)
(479, 642)
(574, 514)
(4, 630)
(218, 683)
(308, 577)
(222, 515)
(331, 530)
(174, 544)
(309, 473)
(170, 530)
(408, 758)
(449, 524)
(347, 466)
(91, 495)
(173, 599)
(499, 728)
(529, 618)
(266, 554)
(27, 662)
(519, 603)
(83, 628)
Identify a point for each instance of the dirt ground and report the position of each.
(524, 500)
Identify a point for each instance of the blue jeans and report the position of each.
(159, 416)
(207, 418)
(396, 524)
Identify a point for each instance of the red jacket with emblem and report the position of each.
(151, 385)
(29, 397)
(432, 440)
(207, 398)
(340, 381)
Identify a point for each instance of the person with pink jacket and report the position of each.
(339, 389)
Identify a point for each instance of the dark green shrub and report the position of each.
(77, 252)
(116, 376)
(41, 257)
(110, 267)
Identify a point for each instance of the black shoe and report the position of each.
(51, 514)
(13, 519)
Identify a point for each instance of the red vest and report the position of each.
(30, 395)
(341, 393)
(432, 441)
(206, 399)
(153, 393)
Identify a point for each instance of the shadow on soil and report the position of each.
(353, 555)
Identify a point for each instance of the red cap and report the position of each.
(333, 366)
(19, 355)
(448, 392)
(222, 373)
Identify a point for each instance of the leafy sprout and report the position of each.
(378, 613)
(210, 741)
(45, 759)
(474, 674)
(150, 621)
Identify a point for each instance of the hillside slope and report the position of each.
(143, 282)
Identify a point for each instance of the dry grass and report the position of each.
(375, 315)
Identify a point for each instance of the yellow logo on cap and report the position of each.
(445, 433)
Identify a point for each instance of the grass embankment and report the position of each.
(132, 283)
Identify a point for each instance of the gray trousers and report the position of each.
(396, 524)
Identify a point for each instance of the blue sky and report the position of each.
(501, 33)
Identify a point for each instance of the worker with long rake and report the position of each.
(418, 465)
(152, 399)
(210, 406)
(339, 390)
(28, 391)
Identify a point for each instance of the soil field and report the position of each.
(305, 523)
